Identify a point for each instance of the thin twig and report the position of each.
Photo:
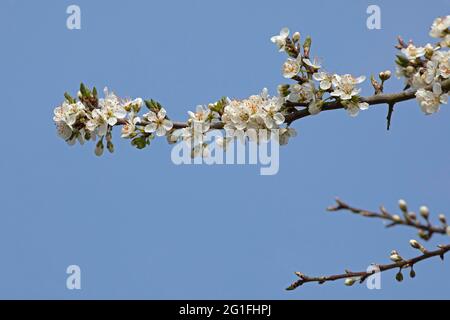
(395, 220)
(389, 115)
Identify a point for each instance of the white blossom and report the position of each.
(303, 93)
(324, 78)
(69, 113)
(280, 40)
(353, 107)
(63, 129)
(200, 115)
(441, 60)
(129, 128)
(97, 123)
(112, 108)
(345, 86)
(445, 43)
(291, 68)
(315, 64)
(440, 26)
(419, 80)
(285, 134)
(430, 101)
(271, 113)
(157, 122)
(412, 52)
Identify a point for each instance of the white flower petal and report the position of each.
(162, 113)
(168, 125)
(160, 131)
(151, 127)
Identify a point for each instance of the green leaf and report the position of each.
(83, 90)
(402, 61)
(69, 98)
(153, 105)
(140, 142)
(307, 43)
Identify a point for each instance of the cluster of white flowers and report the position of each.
(199, 124)
(74, 120)
(257, 112)
(440, 29)
(252, 118)
(342, 88)
(425, 68)
(66, 117)
(90, 117)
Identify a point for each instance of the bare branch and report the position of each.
(426, 230)
(363, 275)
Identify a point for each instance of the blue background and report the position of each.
(141, 227)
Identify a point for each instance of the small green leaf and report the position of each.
(83, 90)
(140, 142)
(69, 98)
(402, 61)
(307, 43)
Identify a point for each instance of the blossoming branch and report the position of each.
(426, 71)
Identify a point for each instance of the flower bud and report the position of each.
(424, 212)
(385, 75)
(402, 205)
(110, 146)
(412, 273)
(429, 51)
(396, 218)
(128, 107)
(442, 219)
(283, 90)
(410, 70)
(296, 37)
(412, 216)
(424, 235)
(399, 276)
(447, 230)
(415, 244)
(395, 256)
(99, 148)
(350, 281)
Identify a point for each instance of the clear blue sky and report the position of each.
(141, 227)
